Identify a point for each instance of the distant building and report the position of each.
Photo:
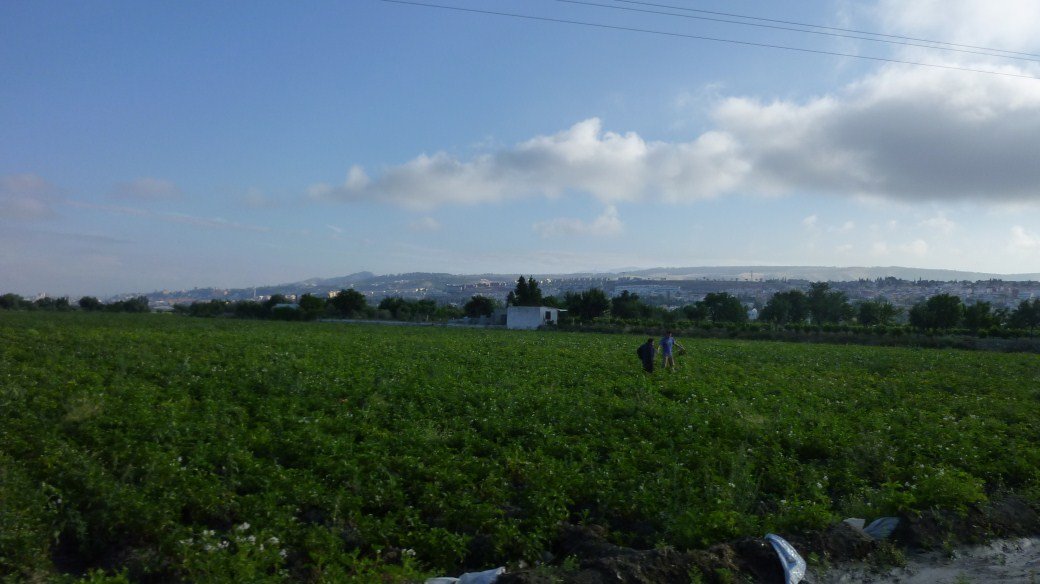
(531, 317)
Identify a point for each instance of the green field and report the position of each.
(171, 448)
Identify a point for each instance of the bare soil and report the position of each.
(995, 542)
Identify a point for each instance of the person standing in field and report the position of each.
(646, 353)
(668, 344)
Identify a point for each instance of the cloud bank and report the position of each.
(902, 133)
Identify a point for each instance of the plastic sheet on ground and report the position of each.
(485, 577)
(794, 565)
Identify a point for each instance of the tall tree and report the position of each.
(526, 293)
(349, 302)
(90, 304)
(724, 307)
(628, 305)
(876, 312)
(787, 307)
(587, 305)
(979, 316)
(1027, 315)
(479, 306)
(946, 310)
(826, 305)
(942, 311)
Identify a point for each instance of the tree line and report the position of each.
(819, 306)
(86, 303)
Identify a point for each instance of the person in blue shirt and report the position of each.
(667, 346)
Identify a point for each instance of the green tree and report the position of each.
(787, 307)
(942, 311)
(90, 304)
(312, 306)
(876, 313)
(1027, 315)
(553, 302)
(526, 293)
(48, 303)
(349, 303)
(946, 311)
(138, 304)
(12, 302)
(312, 303)
(587, 305)
(398, 307)
(628, 305)
(478, 306)
(979, 316)
(827, 306)
(695, 312)
(423, 309)
(723, 307)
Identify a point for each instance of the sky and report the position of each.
(172, 145)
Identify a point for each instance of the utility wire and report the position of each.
(707, 38)
(879, 34)
(987, 52)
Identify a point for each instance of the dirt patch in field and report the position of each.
(986, 543)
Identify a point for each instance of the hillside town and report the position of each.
(665, 291)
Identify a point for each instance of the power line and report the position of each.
(987, 52)
(879, 34)
(707, 38)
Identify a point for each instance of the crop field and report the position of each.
(163, 448)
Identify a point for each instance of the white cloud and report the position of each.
(902, 133)
(608, 223)
(611, 167)
(26, 196)
(1008, 24)
(1023, 241)
(939, 223)
(918, 247)
(146, 189)
(843, 228)
(425, 224)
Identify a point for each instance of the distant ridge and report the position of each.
(412, 282)
(821, 273)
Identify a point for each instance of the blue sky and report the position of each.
(158, 145)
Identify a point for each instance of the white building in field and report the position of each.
(531, 317)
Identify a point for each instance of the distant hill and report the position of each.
(821, 273)
(441, 285)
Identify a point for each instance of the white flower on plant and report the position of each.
(243, 527)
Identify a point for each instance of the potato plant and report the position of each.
(161, 448)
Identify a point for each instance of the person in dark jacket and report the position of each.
(646, 353)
